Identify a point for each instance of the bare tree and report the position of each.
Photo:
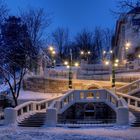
(107, 37)
(37, 22)
(3, 11)
(15, 51)
(124, 6)
(60, 39)
(84, 40)
(98, 43)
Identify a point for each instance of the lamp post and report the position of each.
(114, 64)
(52, 52)
(69, 66)
(70, 70)
(85, 54)
(113, 78)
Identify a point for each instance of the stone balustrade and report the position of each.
(129, 88)
(17, 114)
(133, 102)
(99, 95)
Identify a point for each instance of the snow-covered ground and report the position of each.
(115, 133)
(35, 96)
(29, 95)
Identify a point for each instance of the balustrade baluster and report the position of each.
(28, 108)
(46, 105)
(136, 103)
(21, 111)
(129, 101)
(39, 107)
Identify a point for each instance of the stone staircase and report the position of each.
(36, 120)
(136, 123)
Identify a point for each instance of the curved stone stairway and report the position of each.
(36, 120)
(136, 123)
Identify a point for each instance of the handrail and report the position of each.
(133, 102)
(33, 107)
(129, 86)
(128, 96)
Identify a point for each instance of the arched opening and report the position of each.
(89, 111)
(92, 87)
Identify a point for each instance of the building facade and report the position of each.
(127, 38)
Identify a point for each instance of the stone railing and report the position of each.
(62, 73)
(88, 95)
(129, 88)
(19, 113)
(133, 102)
(76, 96)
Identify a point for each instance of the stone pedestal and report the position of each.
(51, 119)
(122, 116)
(10, 115)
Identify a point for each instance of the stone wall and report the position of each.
(48, 85)
(40, 84)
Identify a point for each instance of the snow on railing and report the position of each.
(17, 114)
(129, 88)
(133, 102)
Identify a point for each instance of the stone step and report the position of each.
(36, 120)
(136, 123)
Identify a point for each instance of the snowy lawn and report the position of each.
(114, 133)
(29, 95)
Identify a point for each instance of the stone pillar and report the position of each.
(10, 115)
(58, 105)
(51, 118)
(76, 95)
(122, 116)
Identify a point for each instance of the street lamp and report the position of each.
(106, 62)
(76, 64)
(66, 63)
(85, 54)
(117, 60)
(52, 52)
(127, 45)
(51, 48)
(69, 66)
(81, 52)
(70, 70)
(113, 65)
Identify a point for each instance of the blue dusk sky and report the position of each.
(74, 14)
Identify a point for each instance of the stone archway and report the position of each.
(93, 86)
